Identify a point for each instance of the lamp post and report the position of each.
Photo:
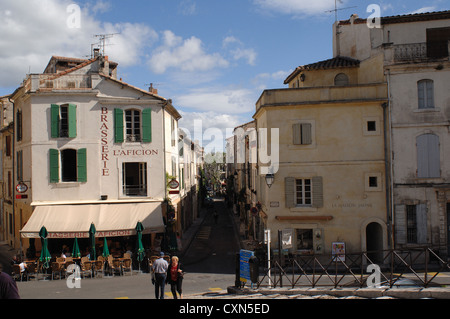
(270, 179)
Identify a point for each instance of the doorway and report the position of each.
(374, 241)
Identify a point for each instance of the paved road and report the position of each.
(209, 267)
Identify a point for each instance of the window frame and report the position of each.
(302, 200)
(423, 87)
(142, 187)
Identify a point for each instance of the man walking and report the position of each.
(160, 270)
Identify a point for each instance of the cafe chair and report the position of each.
(57, 268)
(86, 268)
(127, 266)
(116, 267)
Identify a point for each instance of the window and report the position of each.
(8, 145)
(373, 181)
(133, 125)
(134, 179)
(411, 224)
(437, 42)
(137, 127)
(341, 79)
(371, 126)
(19, 126)
(70, 164)
(63, 120)
(425, 91)
(303, 192)
(304, 239)
(19, 164)
(428, 156)
(301, 133)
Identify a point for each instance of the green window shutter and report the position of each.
(118, 126)
(72, 110)
(317, 189)
(81, 165)
(289, 190)
(147, 125)
(55, 120)
(54, 166)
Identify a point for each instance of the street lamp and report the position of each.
(269, 179)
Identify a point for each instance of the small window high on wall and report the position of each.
(341, 79)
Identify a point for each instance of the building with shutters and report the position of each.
(416, 65)
(90, 148)
(330, 183)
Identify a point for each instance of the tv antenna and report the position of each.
(336, 9)
(102, 41)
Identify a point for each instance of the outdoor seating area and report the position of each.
(59, 268)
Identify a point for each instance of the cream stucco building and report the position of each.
(330, 185)
(415, 50)
(91, 148)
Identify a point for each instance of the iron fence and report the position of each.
(414, 267)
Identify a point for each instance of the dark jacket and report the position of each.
(179, 276)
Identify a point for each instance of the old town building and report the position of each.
(416, 66)
(89, 149)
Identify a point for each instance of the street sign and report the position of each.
(244, 267)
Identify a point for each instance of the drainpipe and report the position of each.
(388, 116)
(13, 142)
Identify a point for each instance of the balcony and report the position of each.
(411, 52)
(51, 82)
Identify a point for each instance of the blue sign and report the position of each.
(244, 267)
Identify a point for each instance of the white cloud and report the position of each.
(230, 101)
(297, 7)
(238, 51)
(32, 31)
(210, 128)
(187, 55)
(187, 8)
(265, 80)
(423, 10)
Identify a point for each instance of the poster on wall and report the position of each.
(338, 251)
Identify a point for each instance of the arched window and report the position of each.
(428, 156)
(425, 90)
(341, 79)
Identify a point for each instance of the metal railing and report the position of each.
(421, 266)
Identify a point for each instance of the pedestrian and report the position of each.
(160, 270)
(8, 287)
(175, 277)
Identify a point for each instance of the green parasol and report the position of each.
(92, 242)
(140, 246)
(76, 249)
(45, 254)
(105, 252)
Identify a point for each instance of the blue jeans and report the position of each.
(160, 283)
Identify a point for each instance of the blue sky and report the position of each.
(212, 58)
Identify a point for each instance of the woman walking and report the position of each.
(175, 277)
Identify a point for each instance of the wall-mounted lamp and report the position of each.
(269, 179)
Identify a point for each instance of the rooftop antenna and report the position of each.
(336, 9)
(102, 41)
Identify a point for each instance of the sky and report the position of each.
(212, 58)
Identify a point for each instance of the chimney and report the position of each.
(96, 52)
(152, 90)
(353, 17)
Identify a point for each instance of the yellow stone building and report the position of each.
(329, 188)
